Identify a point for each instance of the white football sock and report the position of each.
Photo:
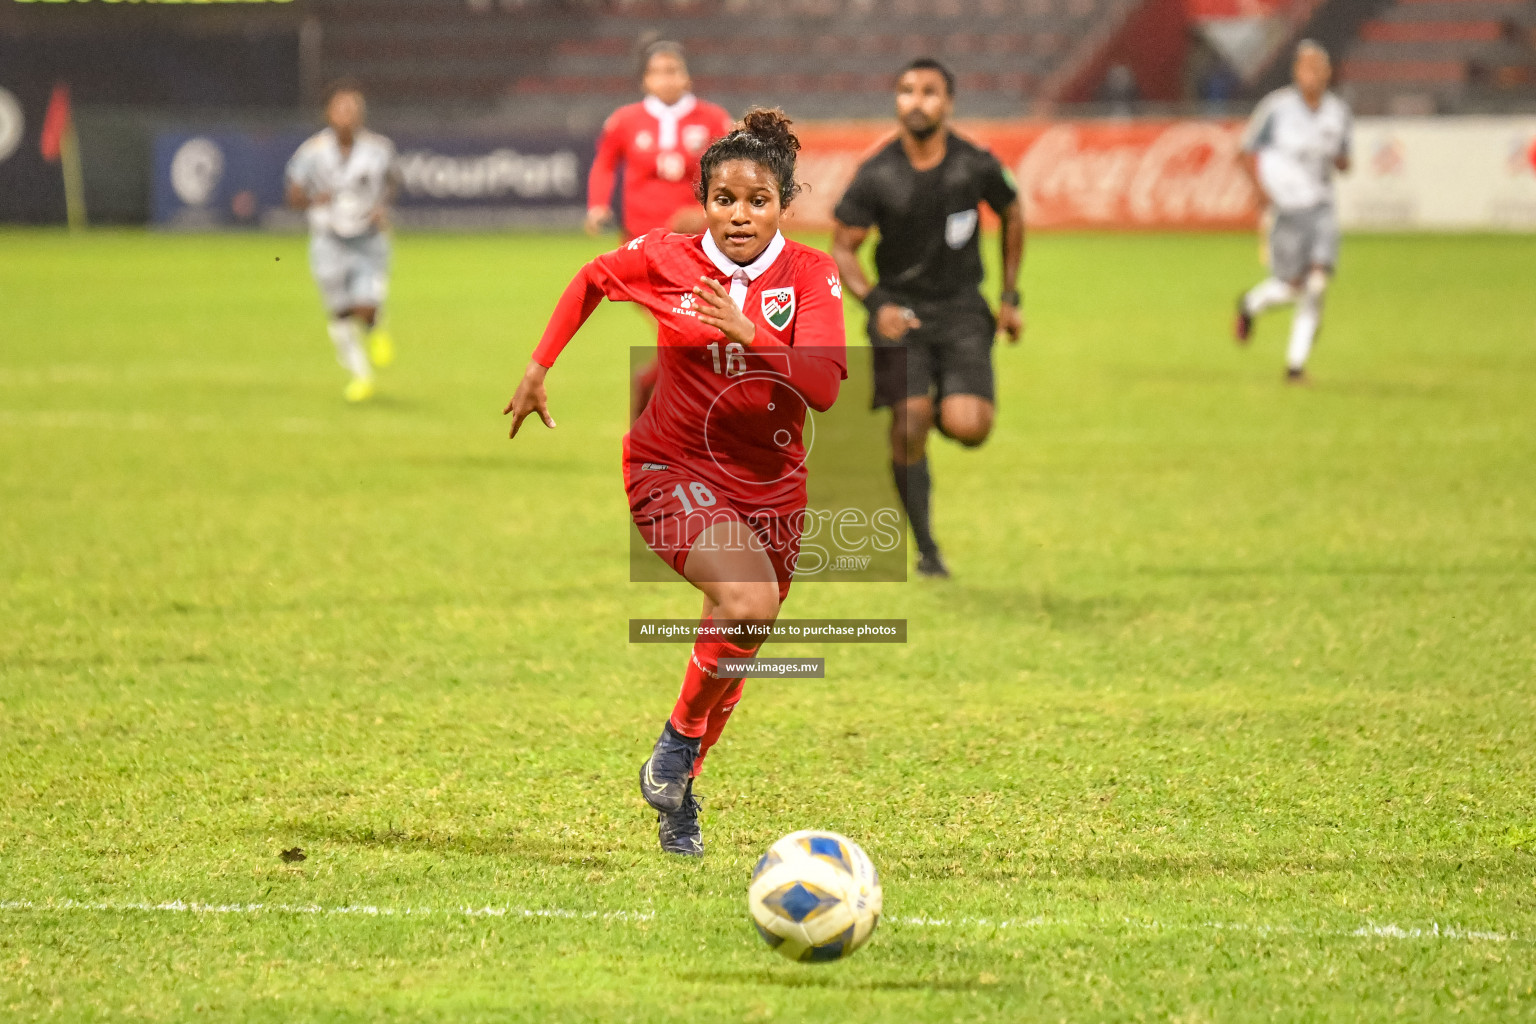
(1308, 316)
(347, 336)
(1268, 294)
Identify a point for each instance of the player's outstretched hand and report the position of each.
(598, 219)
(690, 220)
(716, 309)
(893, 321)
(1010, 320)
(529, 398)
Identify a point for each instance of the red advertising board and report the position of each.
(1073, 174)
(1207, 9)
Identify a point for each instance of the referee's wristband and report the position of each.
(1011, 297)
(877, 297)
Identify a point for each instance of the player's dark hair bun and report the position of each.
(764, 138)
(772, 127)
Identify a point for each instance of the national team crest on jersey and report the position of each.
(779, 307)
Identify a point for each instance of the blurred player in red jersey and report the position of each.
(749, 337)
(658, 142)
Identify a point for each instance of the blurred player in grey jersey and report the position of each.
(1297, 138)
(344, 177)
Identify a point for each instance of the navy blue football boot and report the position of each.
(1242, 327)
(931, 564)
(666, 774)
(679, 830)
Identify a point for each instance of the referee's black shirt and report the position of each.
(929, 246)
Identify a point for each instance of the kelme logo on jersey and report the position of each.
(779, 307)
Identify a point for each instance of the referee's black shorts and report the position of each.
(951, 354)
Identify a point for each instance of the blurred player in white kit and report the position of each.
(344, 177)
(1297, 138)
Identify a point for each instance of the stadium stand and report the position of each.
(1438, 56)
(495, 68)
(826, 58)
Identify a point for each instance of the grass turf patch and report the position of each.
(1226, 711)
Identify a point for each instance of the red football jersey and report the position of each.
(732, 415)
(659, 147)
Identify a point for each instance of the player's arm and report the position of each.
(1255, 137)
(1341, 159)
(297, 173)
(1010, 317)
(807, 370)
(891, 319)
(847, 240)
(1001, 194)
(580, 298)
(616, 275)
(1249, 162)
(817, 361)
(389, 192)
(600, 181)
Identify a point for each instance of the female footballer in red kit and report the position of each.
(750, 337)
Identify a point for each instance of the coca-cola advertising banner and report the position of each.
(1072, 174)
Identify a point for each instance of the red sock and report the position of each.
(702, 688)
(717, 717)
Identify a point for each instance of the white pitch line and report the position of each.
(1366, 931)
(95, 419)
(362, 910)
(147, 422)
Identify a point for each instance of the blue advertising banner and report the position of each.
(219, 179)
(224, 179)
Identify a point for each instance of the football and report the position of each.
(815, 896)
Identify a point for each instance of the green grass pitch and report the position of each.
(1227, 714)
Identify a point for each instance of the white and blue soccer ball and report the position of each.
(815, 896)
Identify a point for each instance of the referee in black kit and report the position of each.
(923, 191)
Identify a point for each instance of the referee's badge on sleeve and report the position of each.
(959, 228)
(779, 307)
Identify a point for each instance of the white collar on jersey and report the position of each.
(731, 269)
(667, 117)
(334, 141)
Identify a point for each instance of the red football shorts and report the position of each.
(672, 506)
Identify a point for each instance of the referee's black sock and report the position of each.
(914, 484)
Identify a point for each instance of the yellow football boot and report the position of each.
(359, 389)
(381, 347)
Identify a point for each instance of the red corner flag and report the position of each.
(59, 145)
(55, 123)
